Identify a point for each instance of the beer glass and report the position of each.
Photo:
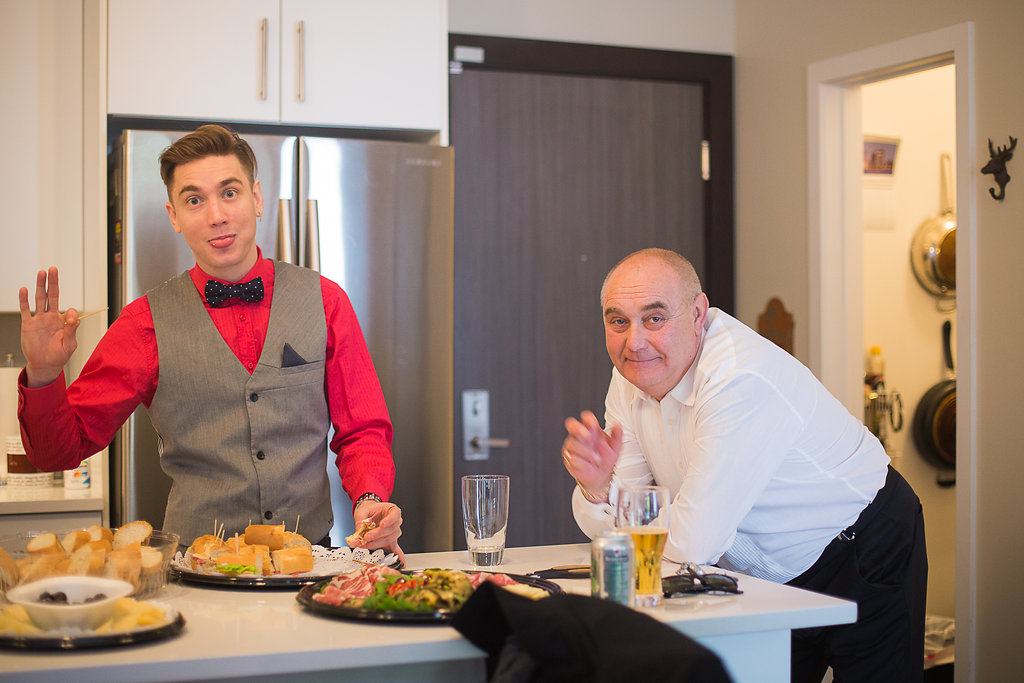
(643, 512)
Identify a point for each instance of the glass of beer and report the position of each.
(643, 512)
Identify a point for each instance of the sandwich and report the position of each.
(250, 559)
(361, 532)
(270, 535)
(294, 539)
(294, 560)
(200, 554)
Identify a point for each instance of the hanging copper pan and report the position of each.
(933, 248)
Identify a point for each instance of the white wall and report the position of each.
(686, 25)
(899, 315)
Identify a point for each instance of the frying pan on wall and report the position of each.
(933, 247)
(935, 416)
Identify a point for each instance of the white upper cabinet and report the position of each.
(348, 63)
(41, 139)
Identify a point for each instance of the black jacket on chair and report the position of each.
(574, 638)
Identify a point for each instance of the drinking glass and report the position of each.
(485, 513)
(643, 512)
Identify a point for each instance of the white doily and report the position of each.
(326, 562)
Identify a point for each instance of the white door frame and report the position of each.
(836, 260)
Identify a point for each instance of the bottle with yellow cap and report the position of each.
(874, 376)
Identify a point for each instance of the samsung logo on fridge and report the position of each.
(422, 162)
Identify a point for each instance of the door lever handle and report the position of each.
(477, 442)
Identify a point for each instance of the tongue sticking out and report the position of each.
(220, 242)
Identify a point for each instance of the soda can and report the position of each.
(613, 567)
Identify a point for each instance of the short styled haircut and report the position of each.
(210, 140)
(684, 269)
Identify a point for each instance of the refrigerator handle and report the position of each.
(285, 240)
(311, 259)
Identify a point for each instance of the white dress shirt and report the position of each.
(764, 466)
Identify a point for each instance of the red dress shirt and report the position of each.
(63, 426)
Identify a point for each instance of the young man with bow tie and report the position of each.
(243, 363)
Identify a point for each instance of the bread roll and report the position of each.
(270, 535)
(9, 574)
(294, 560)
(73, 540)
(133, 533)
(44, 544)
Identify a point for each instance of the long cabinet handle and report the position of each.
(300, 63)
(263, 59)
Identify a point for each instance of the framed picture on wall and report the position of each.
(879, 207)
(880, 157)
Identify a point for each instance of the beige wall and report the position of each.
(775, 42)
(899, 315)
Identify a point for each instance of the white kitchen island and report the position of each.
(266, 635)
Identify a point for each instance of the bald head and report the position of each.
(683, 269)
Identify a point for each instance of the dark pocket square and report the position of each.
(290, 359)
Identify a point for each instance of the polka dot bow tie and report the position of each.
(218, 292)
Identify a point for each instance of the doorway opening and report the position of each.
(837, 249)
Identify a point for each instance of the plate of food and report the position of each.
(379, 593)
(267, 556)
(129, 621)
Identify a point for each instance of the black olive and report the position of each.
(98, 596)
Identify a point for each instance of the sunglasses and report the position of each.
(691, 579)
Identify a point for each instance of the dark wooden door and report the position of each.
(557, 177)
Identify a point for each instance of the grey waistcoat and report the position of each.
(243, 448)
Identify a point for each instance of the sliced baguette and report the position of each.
(73, 540)
(9, 574)
(133, 533)
(124, 564)
(87, 561)
(100, 533)
(44, 544)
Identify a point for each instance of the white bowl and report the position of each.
(77, 613)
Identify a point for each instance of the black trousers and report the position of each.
(881, 563)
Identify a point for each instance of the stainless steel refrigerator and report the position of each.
(375, 217)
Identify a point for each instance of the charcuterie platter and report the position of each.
(430, 596)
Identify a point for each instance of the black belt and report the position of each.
(882, 498)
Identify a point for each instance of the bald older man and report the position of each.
(768, 473)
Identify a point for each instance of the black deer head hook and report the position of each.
(997, 166)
